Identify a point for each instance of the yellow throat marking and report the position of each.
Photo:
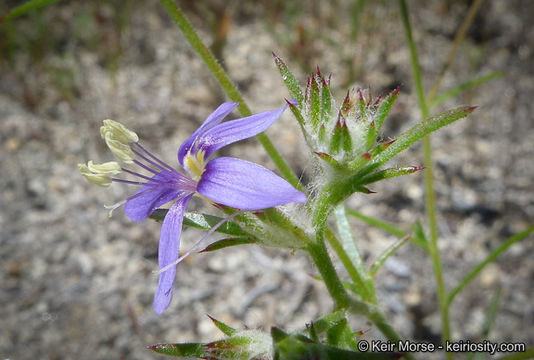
(194, 164)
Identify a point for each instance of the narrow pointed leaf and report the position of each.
(465, 86)
(341, 336)
(326, 322)
(293, 347)
(296, 112)
(384, 108)
(377, 264)
(289, 79)
(414, 134)
(278, 334)
(326, 101)
(347, 240)
(371, 136)
(378, 223)
(419, 237)
(322, 134)
(203, 222)
(224, 243)
(494, 254)
(194, 350)
(226, 329)
(25, 8)
(315, 104)
(389, 173)
(337, 136)
(491, 314)
(346, 140)
(363, 104)
(329, 159)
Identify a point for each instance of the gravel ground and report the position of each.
(79, 285)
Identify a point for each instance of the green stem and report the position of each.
(227, 85)
(320, 257)
(349, 266)
(24, 9)
(460, 35)
(377, 317)
(429, 186)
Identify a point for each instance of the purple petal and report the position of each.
(231, 131)
(214, 119)
(139, 207)
(168, 252)
(245, 185)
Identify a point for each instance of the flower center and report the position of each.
(194, 164)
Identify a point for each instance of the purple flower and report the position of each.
(228, 181)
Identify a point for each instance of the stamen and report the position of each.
(150, 162)
(133, 182)
(153, 157)
(142, 176)
(194, 247)
(114, 206)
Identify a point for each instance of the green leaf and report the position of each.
(371, 136)
(25, 8)
(387, 253)
(389, 173)
(299, 347)
(340, 335)
(348, 242)
(329, 159)
(298, 115)
(494, 254)
(315, 103)
(420, 238)
(195, 350)
(384, 108)
(289, 79)
(226, 329)
(203, 222)
(337, 136)
(326, 322)
(491, 314)
(326, 101)
(224, 243)
(488, 323)
(378, 223)
(414, 134)
(464, 86)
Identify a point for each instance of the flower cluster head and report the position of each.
(343, 136)
(345, 139)
(227, 181)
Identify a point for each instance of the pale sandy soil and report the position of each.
(78, 285)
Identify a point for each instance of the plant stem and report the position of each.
(358, 281)
(460, 35)
(377, 317)
(429, 186)
(226, 84)
(320, 257)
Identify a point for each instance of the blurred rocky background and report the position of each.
(76, 284)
